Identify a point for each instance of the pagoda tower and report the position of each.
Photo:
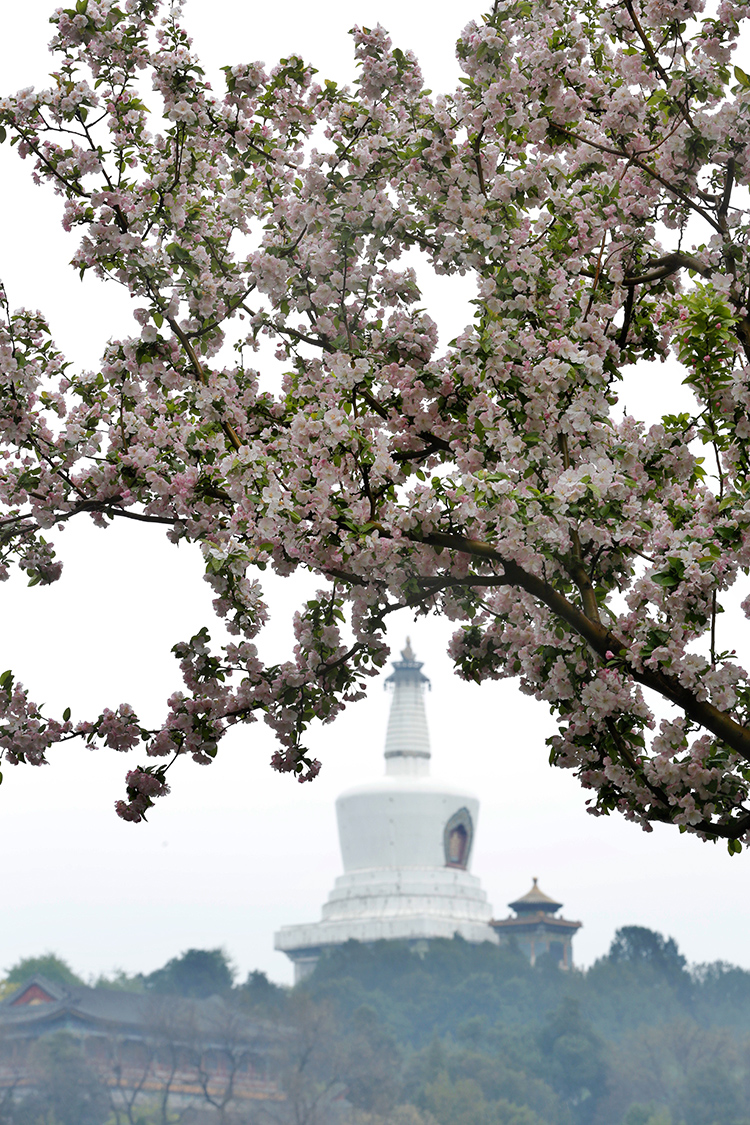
(537, 928)
(406, 843)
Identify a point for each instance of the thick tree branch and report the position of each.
(602, 642)
(727, 193)
(634, 159)
(669, 264)
(665, 810)
(627, 316)
(228, 429)
(655, 60)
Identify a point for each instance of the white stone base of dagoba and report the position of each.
(408, 904)
(439, 892)
(398, 904)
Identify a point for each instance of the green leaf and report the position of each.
(742, 78)
(3, 134)
(6, 680)
(66, 714)
(158, 319)
(666, 579)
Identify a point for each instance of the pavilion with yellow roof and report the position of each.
(536, 930)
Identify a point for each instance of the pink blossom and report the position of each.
(493, 480)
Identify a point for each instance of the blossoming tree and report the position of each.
(591, 173)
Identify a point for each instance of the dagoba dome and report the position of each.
(406, 843)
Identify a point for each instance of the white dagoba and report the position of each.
(406, 842)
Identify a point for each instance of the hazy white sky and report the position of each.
(237, 850)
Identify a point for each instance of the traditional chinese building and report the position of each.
(537, 929)
(406, 844)
(143, 1048)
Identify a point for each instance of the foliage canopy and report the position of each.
(590, 173)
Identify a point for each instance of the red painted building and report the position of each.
(143, 1048)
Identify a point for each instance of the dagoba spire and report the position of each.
(407, 740)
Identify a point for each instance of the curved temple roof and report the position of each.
(535, 900)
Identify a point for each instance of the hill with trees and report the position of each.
(462, 1034)
(638, 1038)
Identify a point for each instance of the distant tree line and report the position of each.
(458, 1035)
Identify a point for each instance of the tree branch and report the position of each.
(602, 641)
(634, 159)
(228, 429)
(669, 264)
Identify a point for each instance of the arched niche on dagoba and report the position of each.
(457, 839)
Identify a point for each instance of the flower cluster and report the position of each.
(590, 174)
(142, 786)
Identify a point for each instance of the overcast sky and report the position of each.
(236, 850)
